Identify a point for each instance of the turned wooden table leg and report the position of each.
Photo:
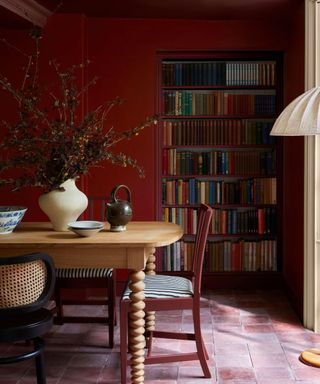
(136, 327)
(151, 270)
(151, 262)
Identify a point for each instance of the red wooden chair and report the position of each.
(76, 279)
(165, 293)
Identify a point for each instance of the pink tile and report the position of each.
(233, 361)
(255, 319)
(263, 348)
(228, 328)
(109, 373)
(226, 319)
(302, 338)
(8, 381)
(96, 338)
(258, 328)
(31, 380)
(231, 350)
(261, 338)
(13, 371)
(279, 381)
(235, 374)
(269, 360)
(280, 326)
(194, 374)
(192, 381)
(314, 337)
(253, 311)
(217, 310)
(292, 353)
(88, 375)
(147, 381)
(114, 360)
(168, 344)
(88, 360)
(227, 338)
(307, 382)
(162, 372)
(274, 373)
(306, 373)
(52, 371)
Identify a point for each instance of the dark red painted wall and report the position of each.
(63, 40)
(123, 54)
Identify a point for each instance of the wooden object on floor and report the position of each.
(165, 293)
(26, 285)
(311, 357)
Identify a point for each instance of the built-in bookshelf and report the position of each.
(217, 110)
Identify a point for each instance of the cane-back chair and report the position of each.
(26, 285)
(165, 293)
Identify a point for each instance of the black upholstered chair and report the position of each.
(165, 293)
(76, 279)
(26, 285)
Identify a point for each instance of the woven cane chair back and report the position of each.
(26, 282)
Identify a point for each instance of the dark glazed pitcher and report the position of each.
(119, 212)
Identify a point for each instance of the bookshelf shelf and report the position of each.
(190, 237)
(230, 116)
(197, 176)
(216, 111)
(222, 87)
(230, 146)
(218, 205)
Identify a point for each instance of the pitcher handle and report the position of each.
(116, 189)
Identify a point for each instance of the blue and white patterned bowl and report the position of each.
(10, 217)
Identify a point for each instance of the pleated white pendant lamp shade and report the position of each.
(301, 117)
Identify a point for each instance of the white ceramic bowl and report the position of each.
(86, 228)
(10, 217)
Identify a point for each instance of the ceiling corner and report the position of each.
(30, 10)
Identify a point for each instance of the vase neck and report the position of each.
(69, 184)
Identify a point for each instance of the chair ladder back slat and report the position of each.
(204, 220)
(96, 208)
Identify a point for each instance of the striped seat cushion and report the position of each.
(163, 286)
(78, 273)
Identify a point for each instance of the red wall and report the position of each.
(63, 40)
(123, 54)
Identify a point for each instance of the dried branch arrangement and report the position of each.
(48, 143)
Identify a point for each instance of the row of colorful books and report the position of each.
(226, 221)
(219, 103)
(222, 256)
(196, 191)
(201, 73)
(217, 132)
(223, 162)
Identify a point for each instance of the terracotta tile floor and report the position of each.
(251, 337)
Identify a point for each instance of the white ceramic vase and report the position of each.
(63, 206)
